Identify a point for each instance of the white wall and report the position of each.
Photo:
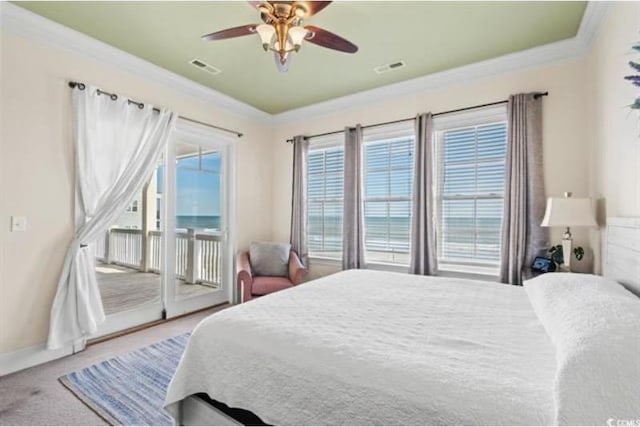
(37, 173)
(615, 129)
(566, 150)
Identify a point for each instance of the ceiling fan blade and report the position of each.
(313, 7)
(243, 30)
(329, 40)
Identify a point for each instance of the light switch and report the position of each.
(18, 223)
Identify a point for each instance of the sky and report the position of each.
(198, 185)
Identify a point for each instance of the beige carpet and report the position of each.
(36, 397)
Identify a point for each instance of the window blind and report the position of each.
(388, 186)
(325, 197)
(470, 193)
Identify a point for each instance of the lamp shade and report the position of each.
(569, 212)
(266, 33)
(297, 34)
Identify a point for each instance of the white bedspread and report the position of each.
(595, 325)
(365, 347)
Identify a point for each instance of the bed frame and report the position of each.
(622, 252)
(622, 263)
(196, 411)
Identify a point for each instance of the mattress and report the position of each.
(368, 347)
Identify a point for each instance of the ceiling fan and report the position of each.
(282, 31)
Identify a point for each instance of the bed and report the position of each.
(368, 347)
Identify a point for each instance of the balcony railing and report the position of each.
(198, 255)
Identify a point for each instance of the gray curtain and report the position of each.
(423, 234)
(524, 197)
(353, 213)
(299, 198)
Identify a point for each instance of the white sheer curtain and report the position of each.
(117, 147)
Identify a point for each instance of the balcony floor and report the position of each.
(123, 288)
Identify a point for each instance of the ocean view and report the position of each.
(386, 239)
(198, 222)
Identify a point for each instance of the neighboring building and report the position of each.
(132, 217)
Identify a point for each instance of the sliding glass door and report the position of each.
(198, 261)
(170, 252)
(129, 261)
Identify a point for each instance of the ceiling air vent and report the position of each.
(381, 69)
(205, 67)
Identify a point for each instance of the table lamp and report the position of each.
(568, 212)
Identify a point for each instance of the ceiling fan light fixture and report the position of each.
(287, 47)
(265, 8)
(300, 11)
(282, 31)
(282, 64)
(283, 54)
(297, 34)
(266, 32)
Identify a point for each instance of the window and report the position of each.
(133, 207)
(471, 150)
(198, 187)
(325, 196)
(388, 186)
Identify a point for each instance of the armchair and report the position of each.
(250, 286)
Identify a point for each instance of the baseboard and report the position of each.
(38, 354)
(31, 356)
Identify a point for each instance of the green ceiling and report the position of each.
(428, 36)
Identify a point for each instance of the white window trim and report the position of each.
(324, 143)
(465, 119)
(384, 135)
(449, 122)
(444, 271)
(386, 266)
(380, 266)
(399, 130)
(320, 260)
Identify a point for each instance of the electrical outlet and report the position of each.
(18, 223)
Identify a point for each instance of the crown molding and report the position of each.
(551, 53)
(594, 16)
(30, 25)
(27, 24)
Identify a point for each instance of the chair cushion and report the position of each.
(269, 259)
(266, 285)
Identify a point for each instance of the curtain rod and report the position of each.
(82, 86)
(536, 96)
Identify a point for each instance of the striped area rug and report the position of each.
(130, 389)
